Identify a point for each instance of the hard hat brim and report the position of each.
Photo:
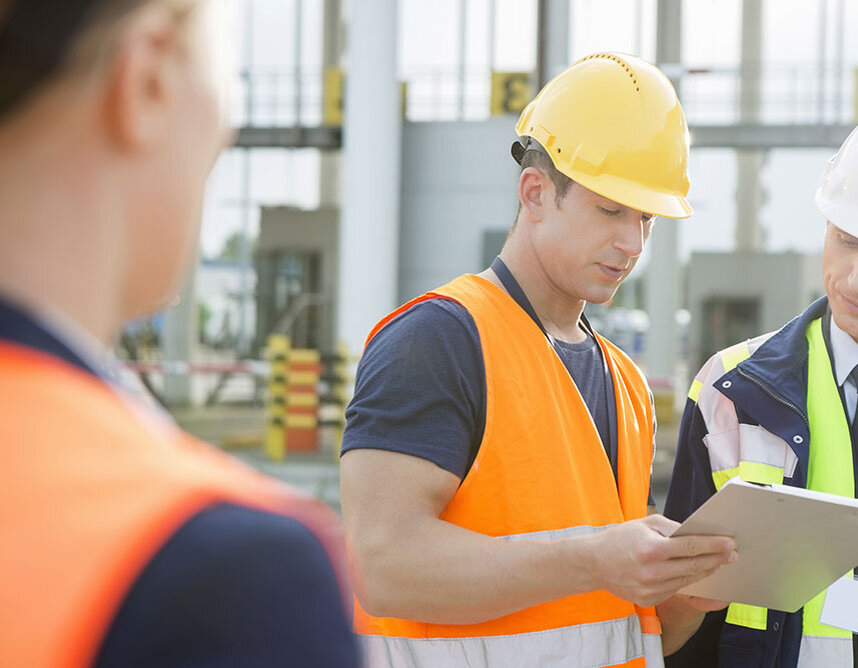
(843, 215)
(635, 196)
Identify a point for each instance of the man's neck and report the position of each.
(560, 316)
(63, 244)
(844, 351)
(60, 254)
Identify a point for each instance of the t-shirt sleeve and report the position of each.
(420, 388)
(234, 586)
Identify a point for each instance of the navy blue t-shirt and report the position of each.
(421, 387)
(233, 586)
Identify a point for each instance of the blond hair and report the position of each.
(83, 45)
(98, 38)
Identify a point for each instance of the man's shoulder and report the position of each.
(234, 580)
(431, 320)
(727, 359)
(772, 350)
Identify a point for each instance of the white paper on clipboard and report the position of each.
(840, 608)
(792, 543)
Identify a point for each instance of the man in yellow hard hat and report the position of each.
(125, 542)
(781, 408)
(496, 462)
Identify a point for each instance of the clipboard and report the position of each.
(792, 543)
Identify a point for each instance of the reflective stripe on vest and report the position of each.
(759, 456)
(595, 645)
(537, 429)
(830, 470)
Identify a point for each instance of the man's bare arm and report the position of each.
(412, 565)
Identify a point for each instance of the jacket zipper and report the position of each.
(765, 388)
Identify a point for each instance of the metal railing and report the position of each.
(799, 93)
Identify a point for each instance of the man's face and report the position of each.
(840, 275)
(589, 244)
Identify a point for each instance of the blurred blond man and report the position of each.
(126, 542)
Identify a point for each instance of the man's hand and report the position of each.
(637, 562)
(700, 604)
(680, 618)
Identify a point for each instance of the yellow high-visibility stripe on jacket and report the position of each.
(541, 473)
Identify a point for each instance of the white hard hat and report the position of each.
(837, 192)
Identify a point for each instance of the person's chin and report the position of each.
(845, 315)
(601, 296)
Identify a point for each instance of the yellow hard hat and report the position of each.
(612, 122)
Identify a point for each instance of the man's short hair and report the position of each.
(39, 40)
(531, 154)
(536, 157)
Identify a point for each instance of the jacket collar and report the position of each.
(781, 362)
(771, 386)
(20, 327)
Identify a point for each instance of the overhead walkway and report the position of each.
(802, 107)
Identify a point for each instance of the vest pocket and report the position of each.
(751, 452)
(760, 445)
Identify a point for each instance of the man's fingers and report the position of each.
(705, 604)
(673, 585)
(661, 524)
(692, 567)
(692, 546)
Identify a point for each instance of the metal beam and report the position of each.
(764, 136)
(324, 138)
(743, 135)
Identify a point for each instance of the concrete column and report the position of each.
(749, 200)
(179, 342)
(329, 161)
(245, 261)
(491, 30)
(839, 27)
(554, 43)
(749, 163)
(369, 221)
(462, 49)
(662, 279)
(821, 49)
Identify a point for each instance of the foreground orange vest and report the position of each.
(91, 489)
(541, 473)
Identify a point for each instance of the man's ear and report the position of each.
(143, 79)
(532, 191)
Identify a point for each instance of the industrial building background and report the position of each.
(371, 163)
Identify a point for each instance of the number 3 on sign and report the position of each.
(511, 91)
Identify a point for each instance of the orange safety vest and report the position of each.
(91, 491)
(541, 473)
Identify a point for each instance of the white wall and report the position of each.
(458, 179)
(784, 283)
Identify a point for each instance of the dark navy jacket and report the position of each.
(768, 389)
